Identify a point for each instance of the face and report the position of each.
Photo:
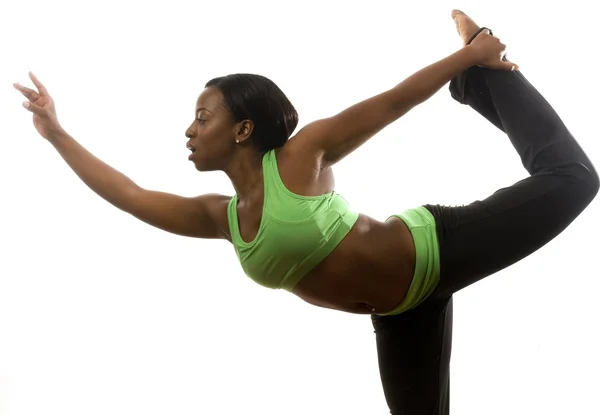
(213, 133)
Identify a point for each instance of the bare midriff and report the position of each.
(369, 272)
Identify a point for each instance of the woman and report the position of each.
(291, 230)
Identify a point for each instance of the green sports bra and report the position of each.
(296, 232)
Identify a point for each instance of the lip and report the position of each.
(191, 155)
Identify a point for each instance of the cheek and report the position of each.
(214, 140)
(206, 134)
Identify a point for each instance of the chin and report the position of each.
(200, 167)
(204, 167)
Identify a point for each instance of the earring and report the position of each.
(237, 141)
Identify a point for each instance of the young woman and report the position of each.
(291, 230)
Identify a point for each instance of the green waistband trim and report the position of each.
(422, 226)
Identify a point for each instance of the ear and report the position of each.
(243, 130)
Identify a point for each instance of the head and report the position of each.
(239, 112)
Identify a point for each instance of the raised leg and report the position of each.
(486, 236)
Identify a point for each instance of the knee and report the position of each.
(593, 180)
(588, 179)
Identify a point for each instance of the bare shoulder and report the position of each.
(216, 207)
(301, 167)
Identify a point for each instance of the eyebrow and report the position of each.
(202, 109)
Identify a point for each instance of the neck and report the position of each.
(246, 175)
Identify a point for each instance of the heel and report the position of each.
(478, 32)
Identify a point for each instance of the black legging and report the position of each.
(486, 236)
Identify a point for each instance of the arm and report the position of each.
(194, 217)
(197, 217)
(335, 137)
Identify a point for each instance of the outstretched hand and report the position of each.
(41, 104)
(490, 52)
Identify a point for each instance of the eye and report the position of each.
(201, 121)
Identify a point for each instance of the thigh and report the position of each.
(486, 236)
(413, 350)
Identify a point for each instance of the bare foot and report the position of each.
(465, 26)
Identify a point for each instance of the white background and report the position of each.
(102, 314)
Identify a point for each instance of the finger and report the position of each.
(29, 93)
(510, 66)
(483, 33)
(41, 88)
(36, 109)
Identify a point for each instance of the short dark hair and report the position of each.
(257, 98)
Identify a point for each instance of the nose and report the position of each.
(189, 133)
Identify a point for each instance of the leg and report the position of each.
(486, 236)
(413, 350)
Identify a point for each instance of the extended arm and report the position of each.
(197, 217)
(335, 137)
(194, 217)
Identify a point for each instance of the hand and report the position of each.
(490, 52)
(41, 104)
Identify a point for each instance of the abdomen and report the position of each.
(371, 268)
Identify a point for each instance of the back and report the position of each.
(296, 232)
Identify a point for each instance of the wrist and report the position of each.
(58, 136)
(468, 57)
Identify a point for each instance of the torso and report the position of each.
(370, 271)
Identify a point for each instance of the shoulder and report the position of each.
(299, 153)
(301, 167)
(216, 206)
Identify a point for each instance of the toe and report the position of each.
(456, 12)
